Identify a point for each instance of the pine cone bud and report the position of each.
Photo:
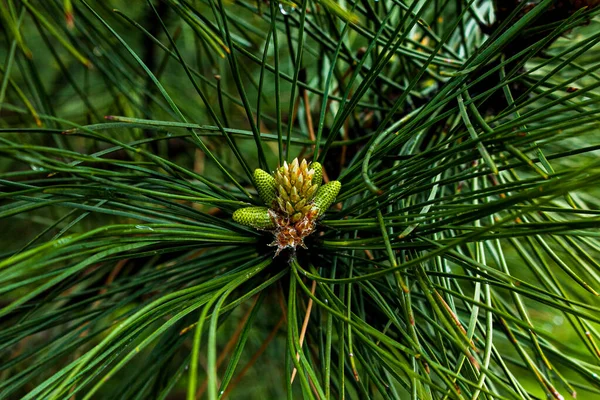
(256, 217)
(326, 195)
(266, 187)
(294, 198)
(296, 188)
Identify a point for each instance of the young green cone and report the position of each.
(256, 217)
(266, 187)
(318, 175)
(326, 195)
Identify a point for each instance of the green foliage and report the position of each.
(460, 260)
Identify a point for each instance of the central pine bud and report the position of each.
(295, 189)
(294, 199)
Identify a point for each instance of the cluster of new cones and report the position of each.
(294, 199)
